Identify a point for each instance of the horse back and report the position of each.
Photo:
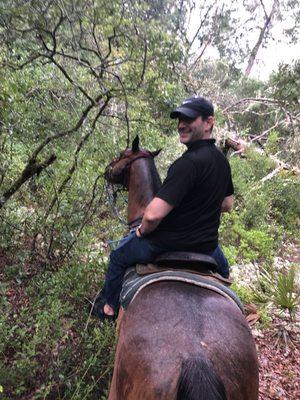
(168, 325)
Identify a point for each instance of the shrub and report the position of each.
(245, 245)
(244, 292)
(284, 192)
(49, 344)
(281, 289)
(287, 294)
(272, 142)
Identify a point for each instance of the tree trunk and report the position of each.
(268, 19)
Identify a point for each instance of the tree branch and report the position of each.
(260, 39)
(31, 169)
(74, 164)
(252, 99)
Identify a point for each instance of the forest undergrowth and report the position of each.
(79, 80)
(52, 348)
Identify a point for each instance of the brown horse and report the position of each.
(177, 341)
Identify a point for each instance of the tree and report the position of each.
(76, 79)
(264, 30)
(236, 31)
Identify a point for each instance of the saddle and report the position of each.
(195, 263)
(191, 268)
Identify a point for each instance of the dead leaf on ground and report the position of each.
(252, 318)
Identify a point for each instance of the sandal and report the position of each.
(96, 309)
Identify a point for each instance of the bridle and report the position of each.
(142, 154)
(112, 192)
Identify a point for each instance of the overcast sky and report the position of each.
(268, 59)
(278, 49)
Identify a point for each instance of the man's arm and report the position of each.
(227, 204)
(156, 210)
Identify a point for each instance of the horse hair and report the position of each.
(156, 181)
(199, 381)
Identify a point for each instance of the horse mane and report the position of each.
(156, 181)
(199, 381)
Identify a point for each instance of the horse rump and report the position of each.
(198, 380)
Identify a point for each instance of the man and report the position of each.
(185, 213)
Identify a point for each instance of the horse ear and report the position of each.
(135, 144)
(155, 153)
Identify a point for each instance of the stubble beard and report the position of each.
(189, 135)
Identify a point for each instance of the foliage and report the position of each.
(246, 245)
(280, 287)
(265, 205)
(224, 83)
(250, 169)
(265, 215)
(49, 342)
(78, 81)
(248, 296)
(272, 144)
(75, 88)
(285, 83)
(264, 212)
(245, 294)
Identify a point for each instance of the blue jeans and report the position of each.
(134, 250)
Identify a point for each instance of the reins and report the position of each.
(112, 193)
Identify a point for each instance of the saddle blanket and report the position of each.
(134, 283)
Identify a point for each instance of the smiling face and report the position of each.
(191, 130)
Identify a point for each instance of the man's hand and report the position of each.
(154, 213)
(137, 231)
(227, 204)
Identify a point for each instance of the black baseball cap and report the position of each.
(194, 107)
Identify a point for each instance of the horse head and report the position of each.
(119, 169)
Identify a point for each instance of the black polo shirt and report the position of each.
(196, 185)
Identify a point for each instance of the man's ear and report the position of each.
(155, 153)
(211, 120)
(210, 123)
(135, 144)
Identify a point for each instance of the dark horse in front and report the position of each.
(176, 340)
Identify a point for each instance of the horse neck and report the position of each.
(144, 183)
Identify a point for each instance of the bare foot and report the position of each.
(108, 310)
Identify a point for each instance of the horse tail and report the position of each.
(198, 380)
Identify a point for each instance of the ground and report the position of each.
(279, 355)
(278, 347)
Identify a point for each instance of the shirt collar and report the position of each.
(200, 143)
